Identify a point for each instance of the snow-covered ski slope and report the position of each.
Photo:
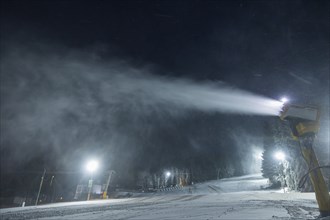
(235, 184)
(232, 198)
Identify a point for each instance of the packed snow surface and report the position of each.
(233, 198)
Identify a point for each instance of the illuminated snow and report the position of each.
(231, 198)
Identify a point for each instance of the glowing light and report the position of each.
(279, 155)
(92, 165)
(259, 155)
(284, 100)
(168, 174)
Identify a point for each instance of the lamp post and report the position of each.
(167, 176)
(40, 186)
(91, 168)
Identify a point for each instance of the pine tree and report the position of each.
(288, 173)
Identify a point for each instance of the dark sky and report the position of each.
(240, 42)
(272, 48)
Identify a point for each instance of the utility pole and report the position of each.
(91, 167)
(51, 189)
(90, 186)
(41, 182)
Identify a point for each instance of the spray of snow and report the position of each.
(201, 96)
(57, 98)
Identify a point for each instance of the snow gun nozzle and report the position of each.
(304, 120)
(304, 113)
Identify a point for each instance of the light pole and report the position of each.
(40, 186)
(167, 176)
(91, 167)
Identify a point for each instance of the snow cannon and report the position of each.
(305, 123)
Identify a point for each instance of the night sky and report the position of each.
(80, 79)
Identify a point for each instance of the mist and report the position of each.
(70, 105)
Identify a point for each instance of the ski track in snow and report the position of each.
(232, 198)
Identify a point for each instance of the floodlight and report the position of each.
(92, 165)
(279, 155)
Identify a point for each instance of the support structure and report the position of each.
(105, 193)
(305, 123)
(315, 175)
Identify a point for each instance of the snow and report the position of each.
(232, 198)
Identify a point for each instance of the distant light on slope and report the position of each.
(92, 165)
(168, 174)
(259, 156)
(279, 156)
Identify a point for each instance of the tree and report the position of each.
(288, 173)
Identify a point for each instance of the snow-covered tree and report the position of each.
(288, 172)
